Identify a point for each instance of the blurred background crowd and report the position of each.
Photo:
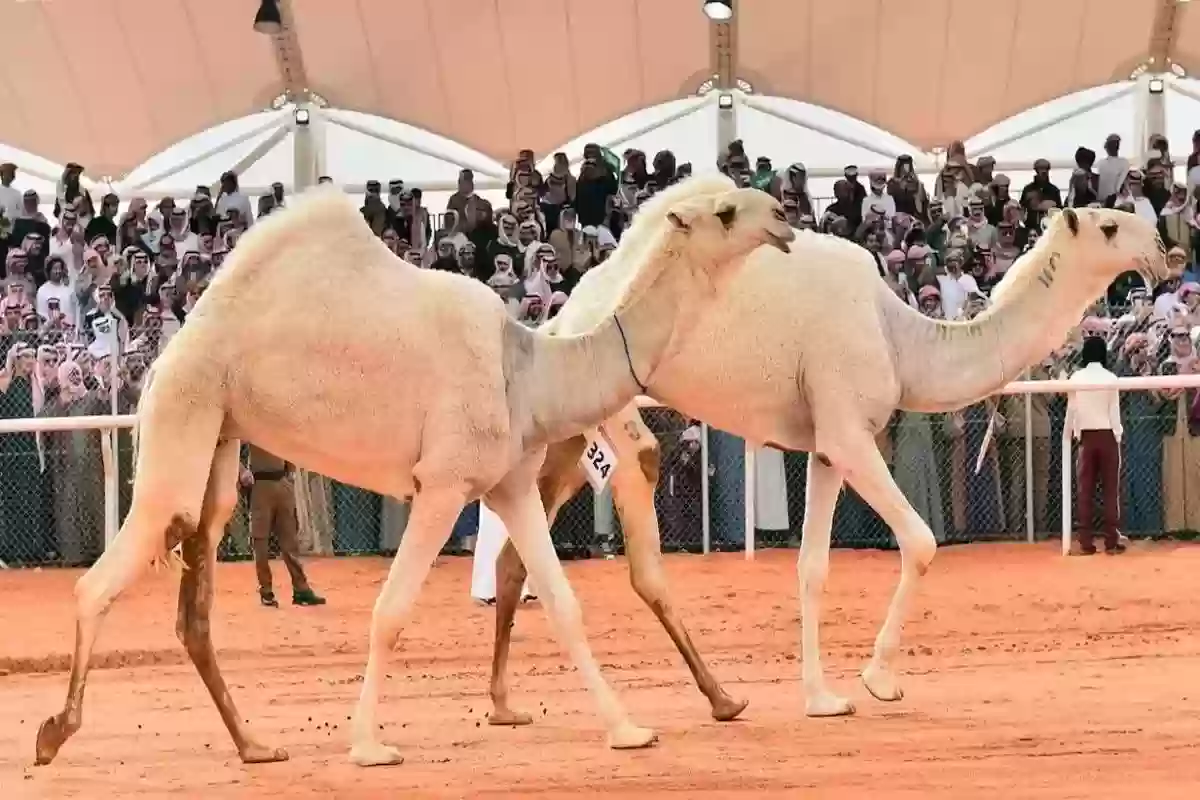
(94, 290)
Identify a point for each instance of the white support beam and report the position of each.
(304, 147)
(275, 122)
(1183, 91)
(722, 44)
(254, 156)
(1052, 121)
(752, 102)
(320, 141)
(727, 122)
(34, 172)
(626, 138)
(1141, 120)
(1156, 112)
(490, 171)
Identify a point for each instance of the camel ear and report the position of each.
(684, 215)
(1110, 228)
(1072, 220)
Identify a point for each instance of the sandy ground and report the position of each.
(1027, 676)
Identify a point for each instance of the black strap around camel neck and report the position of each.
(628, 357)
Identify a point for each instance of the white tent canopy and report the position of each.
(823, 140)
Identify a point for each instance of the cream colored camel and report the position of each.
(813, 352)
(318, 344)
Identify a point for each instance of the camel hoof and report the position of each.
(51, 735)
(508, 717)
(631, 737)
(258, 754)
(829, 705)
(375, 755)
(727, 709)
(882, 684)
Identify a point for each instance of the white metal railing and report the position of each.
(112, 423)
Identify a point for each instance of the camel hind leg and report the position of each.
(196, 599)
(560, 479)
(174, 461)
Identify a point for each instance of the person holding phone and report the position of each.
(55, 301)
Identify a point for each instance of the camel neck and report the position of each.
(944, 365)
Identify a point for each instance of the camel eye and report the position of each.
(727, 216)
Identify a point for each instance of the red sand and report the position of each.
(1027, 676)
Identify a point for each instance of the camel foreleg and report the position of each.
(865, 470)
(633, 486)
(516, 501)
(433, 513)
(812, 570)
(560, 479)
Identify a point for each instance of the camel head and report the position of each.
(697, 231)
(1103, 243)
(728, 225)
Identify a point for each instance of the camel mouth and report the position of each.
(778, 242)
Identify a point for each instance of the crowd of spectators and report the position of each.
(91, 282)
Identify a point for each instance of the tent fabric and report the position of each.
(109, 84)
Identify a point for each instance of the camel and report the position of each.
(318, 344)
(813, 352)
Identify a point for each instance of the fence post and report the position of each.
(1029, 495)
(750, 496)
(1066, 490)
(112, 479)
(705, 514)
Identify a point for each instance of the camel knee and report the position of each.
(510, 568)
(98, 587)
(221, 504)
(194, 633)
(650, 461)
(650, 587)
(563, 607)
(918, 545)
(812, 569)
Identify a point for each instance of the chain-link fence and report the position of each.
(52, 494)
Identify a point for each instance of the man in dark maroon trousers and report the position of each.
(1094, 418)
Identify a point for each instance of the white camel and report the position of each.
(813, 352)
(318, 344)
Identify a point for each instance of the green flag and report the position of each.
(612, 160)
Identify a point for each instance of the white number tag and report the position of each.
(599, 459)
